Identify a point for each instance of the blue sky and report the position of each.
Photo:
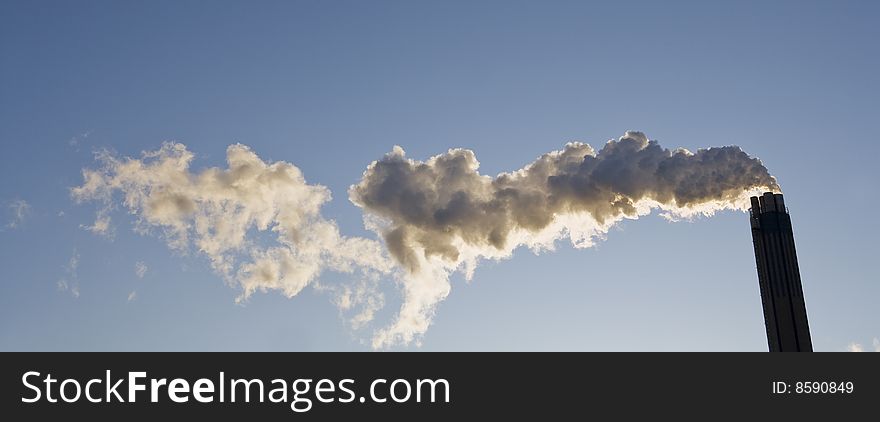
(332, 86)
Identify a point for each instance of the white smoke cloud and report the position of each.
(258, 223)
(364, 296)
(441, 215)
(70, 281)
(18, 211)
(76, 140)
(101, 226)
(140, 269)
(857, 347)
(261, 227)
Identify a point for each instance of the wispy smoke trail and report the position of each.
(259, 223)
(442, 215)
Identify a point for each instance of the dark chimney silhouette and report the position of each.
(785, 314)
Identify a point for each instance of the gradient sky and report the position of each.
(331, 86)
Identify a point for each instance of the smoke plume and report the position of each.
(259, 223)
(442, 215)
(261, 227)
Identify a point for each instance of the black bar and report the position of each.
(509, 385)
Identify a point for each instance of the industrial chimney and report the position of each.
(785, 314)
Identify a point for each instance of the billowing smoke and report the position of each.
(261, 227)
(442, 215)
(259, 223)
